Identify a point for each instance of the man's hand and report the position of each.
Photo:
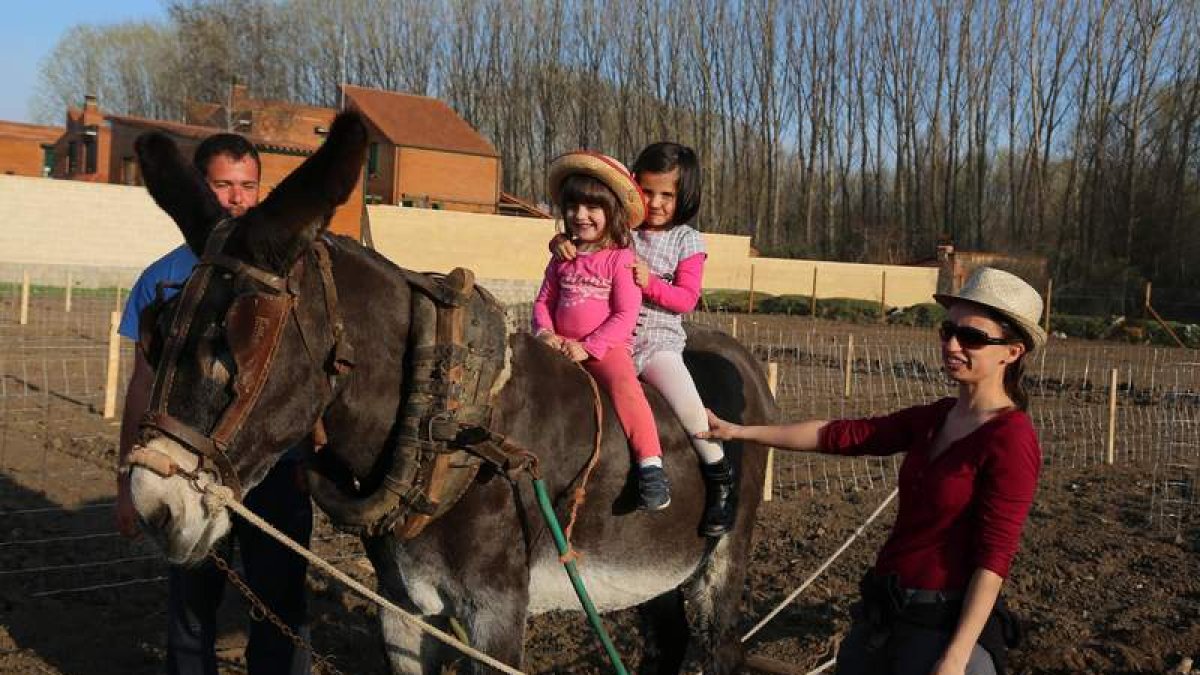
(127, 516)
(641, 273)
(574, 351)
(562, 248)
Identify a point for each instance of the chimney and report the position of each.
(89, 103)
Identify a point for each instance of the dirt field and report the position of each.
(1104, 588)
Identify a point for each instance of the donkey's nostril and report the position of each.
(160, 519)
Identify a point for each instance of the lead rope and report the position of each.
(222, 496)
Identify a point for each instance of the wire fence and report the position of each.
(58, 453)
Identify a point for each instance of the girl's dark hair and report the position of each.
(666, 157)
(1014, 373)
(582, 189)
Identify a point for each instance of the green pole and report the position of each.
(560, 541)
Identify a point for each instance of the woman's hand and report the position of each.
(562, 248)
(719, 429)
(641, 273)
(950, 664)
(574, 351)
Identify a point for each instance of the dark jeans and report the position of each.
(274, 573)
(909, 650)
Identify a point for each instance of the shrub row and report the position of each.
(931, 314)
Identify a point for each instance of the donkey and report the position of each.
(249, 360)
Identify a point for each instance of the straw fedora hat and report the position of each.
(606, 170)
(1005, 293)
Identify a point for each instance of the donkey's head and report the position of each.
(244, 352)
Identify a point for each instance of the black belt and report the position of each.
(922, 596)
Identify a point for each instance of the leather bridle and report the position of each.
(254, 328)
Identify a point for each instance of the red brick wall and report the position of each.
(457, 181)
(21, 152)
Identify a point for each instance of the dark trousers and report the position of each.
(908, 649)
(274, 573)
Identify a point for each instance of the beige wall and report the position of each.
(72, 223)
(65, 222)
(503, 247)
(494, 247)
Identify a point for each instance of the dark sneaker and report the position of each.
(654, 488)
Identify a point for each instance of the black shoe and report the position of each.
(653, 488)
(720, 501)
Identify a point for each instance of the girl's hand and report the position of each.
(641, 273)
(719, 429)
(562, 248)
(548, 337)
(574, 351)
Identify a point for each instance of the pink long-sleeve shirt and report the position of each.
(592, 299)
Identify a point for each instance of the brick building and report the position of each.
(27, 149)
(421, 153)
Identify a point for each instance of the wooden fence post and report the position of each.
(812, 303)
(750, 304)
(733, 328)
(24, 298)
(70, 284)
(769, 476)
(849, 363)
(1049, 299)
(883, 298)
(1111, 454)
(114, 366)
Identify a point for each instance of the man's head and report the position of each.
(230, 166)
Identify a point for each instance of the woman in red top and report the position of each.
(966, 485)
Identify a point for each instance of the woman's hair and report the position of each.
(1014, 373)
(582, 189)
(666, 157)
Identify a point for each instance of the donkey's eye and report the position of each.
(227, 276)
(213, 330)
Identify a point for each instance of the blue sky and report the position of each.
(32, 27)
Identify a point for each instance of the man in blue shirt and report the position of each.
(231, 167)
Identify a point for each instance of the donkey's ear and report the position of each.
(303, 203)
(178, 188)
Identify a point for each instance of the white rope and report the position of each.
(224, 497)
(823, 667)
(813, 577)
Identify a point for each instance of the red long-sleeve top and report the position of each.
(959, 512)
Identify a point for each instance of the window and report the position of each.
(72, 158)
(47, 160)
(406, 202)
(129, 171)
(373, 160)
(89, 147)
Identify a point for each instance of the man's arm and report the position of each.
(137, 399)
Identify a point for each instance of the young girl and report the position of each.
(669, 271)
(587, 306)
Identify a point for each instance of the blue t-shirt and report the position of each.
(172, 268)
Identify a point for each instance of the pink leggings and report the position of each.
(616, 375)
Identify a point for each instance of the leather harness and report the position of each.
(456, 344)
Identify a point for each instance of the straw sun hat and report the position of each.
(605, 169)
(1005, 293)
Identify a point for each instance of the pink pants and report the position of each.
(616, 375)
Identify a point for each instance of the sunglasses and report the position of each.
(970, 338)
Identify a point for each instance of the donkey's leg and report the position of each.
(496, 627)
(666, 627)
(713, 599)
